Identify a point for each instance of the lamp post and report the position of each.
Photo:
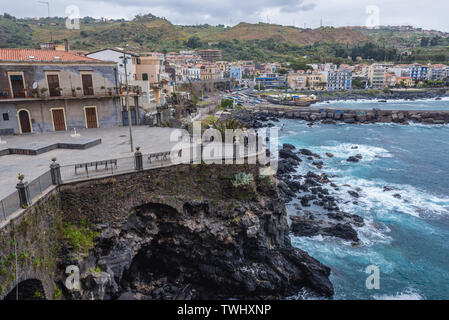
(125, 63)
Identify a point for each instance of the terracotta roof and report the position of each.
(41, 55)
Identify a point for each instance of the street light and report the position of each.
(125, 63)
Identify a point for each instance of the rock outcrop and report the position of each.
(193, 246)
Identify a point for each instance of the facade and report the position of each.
(210, 55)
(339, 80)
(271, 81)
(300, 81)
(210, 71)
(438, 72)
(376, 76)
(47, 90)
(419, 72)
(235, 73)
(116, 55)
(405, 81)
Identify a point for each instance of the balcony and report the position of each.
(57, 93)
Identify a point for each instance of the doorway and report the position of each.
(24, 121)
(58, 117)
(91, 117)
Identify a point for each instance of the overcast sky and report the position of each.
(431, 14)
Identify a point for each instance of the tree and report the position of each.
(194, 42)
(424, 42)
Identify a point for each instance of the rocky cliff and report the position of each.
(190, 232)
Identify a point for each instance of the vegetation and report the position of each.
(80, 237)
(242, 179)
(245, 41)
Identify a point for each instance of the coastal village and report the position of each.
(57, 89)
(104, 175)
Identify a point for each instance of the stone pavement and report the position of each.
(115, 144)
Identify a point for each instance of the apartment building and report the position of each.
(301, 80)
(271, 81)
(339, 80)
(210, 55)
(236, 73)
(376, 76)
(48, 90)
(116, 55)
(210, 71)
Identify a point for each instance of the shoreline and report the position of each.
(255, 118)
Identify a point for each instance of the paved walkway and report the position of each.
(115, 144)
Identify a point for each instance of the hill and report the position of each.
(261, 41)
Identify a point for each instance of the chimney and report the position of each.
(66, 45)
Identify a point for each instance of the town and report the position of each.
(57, 89)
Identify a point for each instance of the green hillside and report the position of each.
(246, 41)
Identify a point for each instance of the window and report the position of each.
(145, 76)
(5, 117)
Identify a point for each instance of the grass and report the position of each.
(80, 237)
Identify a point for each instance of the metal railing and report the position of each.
(65, 92)
(11, 203)
(104, 168)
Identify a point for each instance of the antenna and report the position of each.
(48, 9)
(321, 22)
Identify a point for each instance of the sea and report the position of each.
(406, 237)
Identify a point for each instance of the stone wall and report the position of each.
(331, 116)
(33, 239)
(183, 232)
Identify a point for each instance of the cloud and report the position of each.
(299, 12)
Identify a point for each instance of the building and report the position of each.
(438, 72)
(271, 81)
(418, 72)
(236, 73)
(339, 80)
(301, 80)
(405, 81)
(376, 76)
(391, 80)
(210, 71)
(116, 55)
(210, 55)
(47, 90)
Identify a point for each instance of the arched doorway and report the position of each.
(24, 121)
(27, 290)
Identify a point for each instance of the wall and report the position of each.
(108, 110)
(35, 234)
(11, 126)
(111, 55)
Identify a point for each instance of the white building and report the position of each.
(116, 55)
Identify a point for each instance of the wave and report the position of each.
(408, 294)
(403, 198)
(344, 150)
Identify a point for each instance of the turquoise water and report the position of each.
(407, 238)
(430, 104)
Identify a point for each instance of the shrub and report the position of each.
(243, 179)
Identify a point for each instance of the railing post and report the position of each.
(24, 192)
(55, 170)
(138, 159)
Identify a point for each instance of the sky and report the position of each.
(309, 13)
